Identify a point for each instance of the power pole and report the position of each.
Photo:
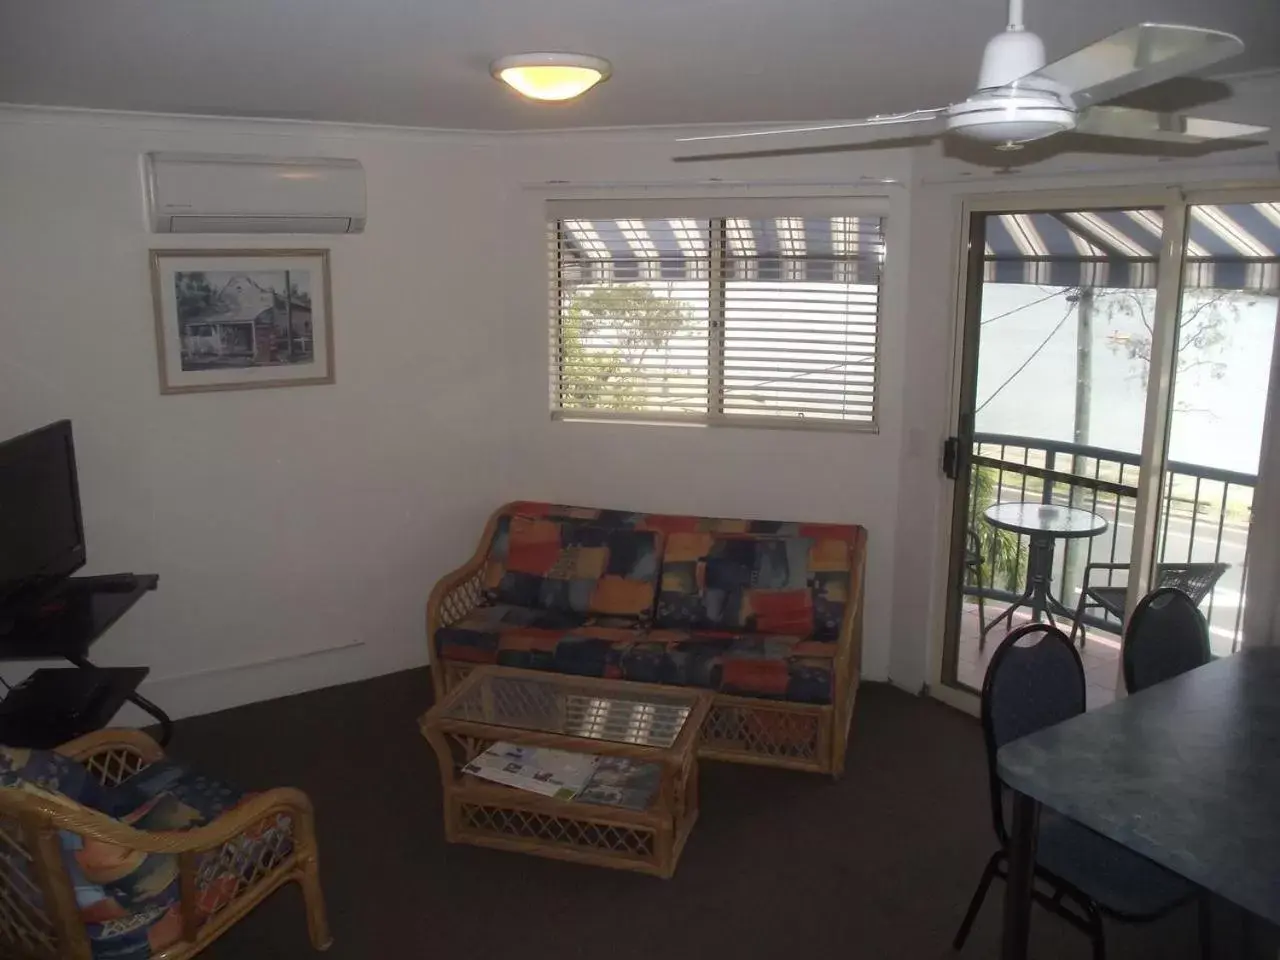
(288, 314)
(1083, 411)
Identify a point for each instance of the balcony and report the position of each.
(1204, 517)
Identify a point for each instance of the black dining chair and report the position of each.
(1035, 680)
(1167, 635)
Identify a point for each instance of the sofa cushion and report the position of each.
(755, 583)
(834, 550)
(27, 769)
(573, 567)
(752, 665)
(515, 636)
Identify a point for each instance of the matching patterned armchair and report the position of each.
(109, 851)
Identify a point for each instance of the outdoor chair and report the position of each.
(1193, 579)
(1167, 635)
(1036, 680)
(973, 563)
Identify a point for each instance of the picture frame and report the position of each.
(242, 319)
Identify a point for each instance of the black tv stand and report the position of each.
(66, 622)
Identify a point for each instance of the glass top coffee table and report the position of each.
(654, 729)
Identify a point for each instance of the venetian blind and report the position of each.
(753, 319)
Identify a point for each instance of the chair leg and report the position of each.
(1077, 625)
(1204, 910)
(1097, 936)
(309, 880)
(313, 897)
(975, 904)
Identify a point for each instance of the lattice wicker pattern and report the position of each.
(464, 597)
(455, 672)
(579, 834)
(762, 731)
(114, 766)
(25, 929)
(225, 874)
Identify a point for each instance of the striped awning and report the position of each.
(1229, 247)
(841, 249)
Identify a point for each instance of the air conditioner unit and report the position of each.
(219, 193)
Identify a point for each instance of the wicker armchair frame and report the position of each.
(41, 921)
(796, 736)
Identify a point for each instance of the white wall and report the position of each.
(296, 531)
(733, 472)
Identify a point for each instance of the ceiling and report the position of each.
(425, 62)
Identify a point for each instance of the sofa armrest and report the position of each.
(65, 814)
(456, 594)
(848, 663)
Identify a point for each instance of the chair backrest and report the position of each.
(1035, 679)
(1167, 635)
(1193, 579)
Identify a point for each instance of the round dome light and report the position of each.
(551, 76)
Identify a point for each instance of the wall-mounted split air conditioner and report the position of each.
(213, 193)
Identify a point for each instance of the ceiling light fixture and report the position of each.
(551, 76)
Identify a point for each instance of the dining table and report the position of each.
(1186, 773)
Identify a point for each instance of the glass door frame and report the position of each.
(1174, 201)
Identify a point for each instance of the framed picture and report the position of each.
(241, 319)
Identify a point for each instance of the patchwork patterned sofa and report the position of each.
(110, 851)
(768, 614)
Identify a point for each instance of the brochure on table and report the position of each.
(611, 781)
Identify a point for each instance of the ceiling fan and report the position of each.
(1020, 99)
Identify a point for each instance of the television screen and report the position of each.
(41, 534)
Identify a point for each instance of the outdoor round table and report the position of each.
(1042, 523)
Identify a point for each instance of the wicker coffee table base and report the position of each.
(490, 815)
(487, 814)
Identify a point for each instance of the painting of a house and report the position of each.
(252, 319)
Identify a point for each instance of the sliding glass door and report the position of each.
(1114, 380)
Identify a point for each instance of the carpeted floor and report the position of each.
(879, 865)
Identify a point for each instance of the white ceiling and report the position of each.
(425, 62)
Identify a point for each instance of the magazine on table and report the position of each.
(618, 782)
(609, 781)
(551, 773)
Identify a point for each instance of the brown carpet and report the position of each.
(879, 865)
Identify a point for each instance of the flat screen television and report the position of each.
(41, 529)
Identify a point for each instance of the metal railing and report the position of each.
(1204, 517)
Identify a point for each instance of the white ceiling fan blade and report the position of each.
(1132, 59)
(917, 123)
(1168, 127)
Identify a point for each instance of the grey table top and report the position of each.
(1045, 519)
(1186, 773)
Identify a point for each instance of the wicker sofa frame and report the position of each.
(41, 921)
(797, 736)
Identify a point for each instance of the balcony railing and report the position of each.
(1204, 517)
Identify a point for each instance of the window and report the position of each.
(767, 318)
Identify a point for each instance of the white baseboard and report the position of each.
(208, 691)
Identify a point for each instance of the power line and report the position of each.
(1034, 353)
(1009, 313)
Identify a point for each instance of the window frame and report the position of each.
(715, 210)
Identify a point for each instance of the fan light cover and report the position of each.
(551, 76)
